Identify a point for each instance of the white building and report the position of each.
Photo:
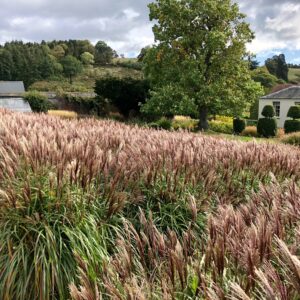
(281, 101)
(11, 93)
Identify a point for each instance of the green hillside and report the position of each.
(294, 75)
(84, 82)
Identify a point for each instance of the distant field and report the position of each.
(294, 75)
(85, 82)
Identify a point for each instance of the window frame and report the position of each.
(277, 108)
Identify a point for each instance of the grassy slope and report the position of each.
(85, 81)
(294, 75)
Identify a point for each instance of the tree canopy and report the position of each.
(200, 52)
(31, 62)
(278, 67)
(103, 53)
(71, 66)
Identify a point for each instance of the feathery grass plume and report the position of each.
(152, 214)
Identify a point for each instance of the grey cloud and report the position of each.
(125, 23)
(112, 21)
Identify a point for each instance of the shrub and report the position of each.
(268, 111)
(186, 123)
(291, 139)
(238, 125)
(126, 94)
(267, 127)
(291, 126)
(294, 112)
(221, 127)
(250, 131)
(164, 123)
(37, 101)
(224, 119)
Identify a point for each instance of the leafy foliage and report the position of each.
(87, 58)
(162, 123)
(103, 53)
(265, 78)
(127, 94)
(71, 67)
(200, 51)
(32, 62)
(278, 67)
(221, 127)
(37, 101)
(169, 101)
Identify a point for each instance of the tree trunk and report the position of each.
(71, 79)
(203, 123)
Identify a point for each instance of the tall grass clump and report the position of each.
(94, 209)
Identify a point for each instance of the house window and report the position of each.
(276, 106)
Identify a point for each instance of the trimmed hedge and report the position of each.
(294, 112)
(291, 126)
(267, 127)
(268, 111)
(238, 125)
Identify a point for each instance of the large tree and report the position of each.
(103, 53)
(201, 54)
(278, 67)
(71, 67)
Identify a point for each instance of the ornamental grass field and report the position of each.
(100, 210)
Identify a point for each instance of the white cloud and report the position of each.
(275, 22)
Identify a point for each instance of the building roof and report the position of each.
(11, 87)
(280, 87)
(292, 92)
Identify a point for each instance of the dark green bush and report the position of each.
(294, 112)
(238, 125)
(164, 123)
(267, 127)
(268, 111)
(126, 94)
(291, 126)
(37, 101)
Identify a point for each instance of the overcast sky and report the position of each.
(124, 24)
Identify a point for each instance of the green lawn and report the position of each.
(241, 138)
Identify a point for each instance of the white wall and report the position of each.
(285, 105)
